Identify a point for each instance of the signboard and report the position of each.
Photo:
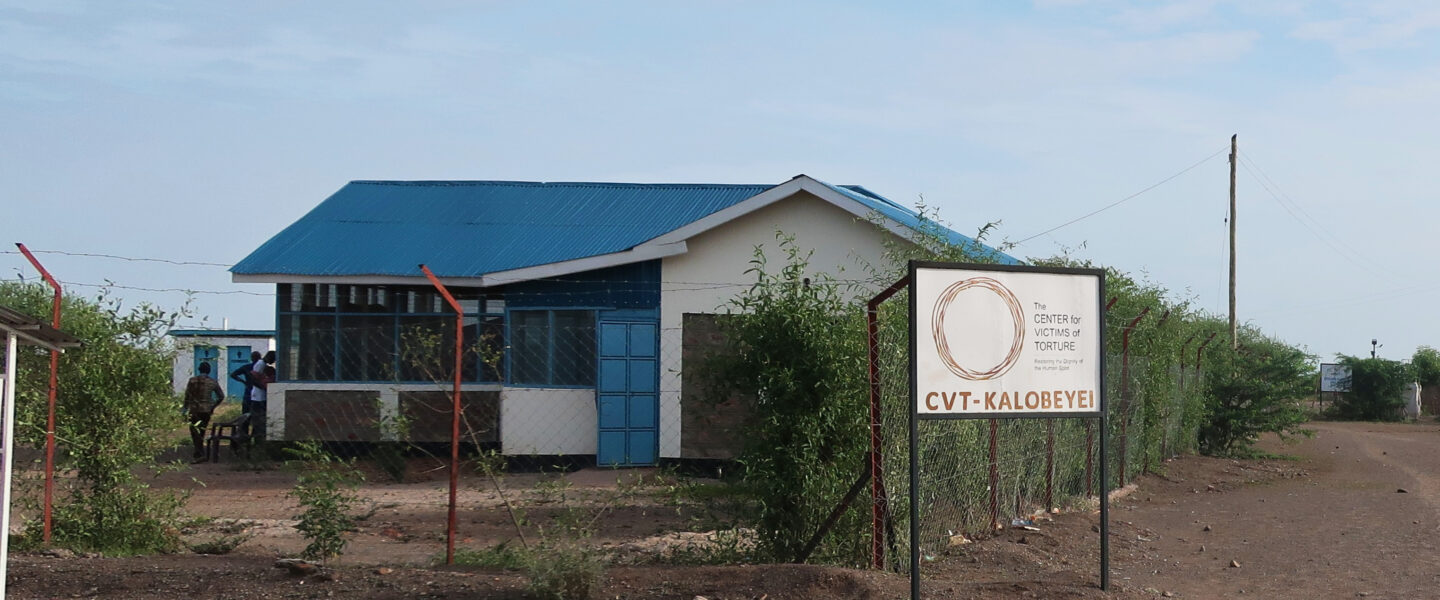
(1334, 378)
(997, 342)
(1005, 342)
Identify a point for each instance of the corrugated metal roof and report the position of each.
(913, 220)
(31, 330)
(471, 228)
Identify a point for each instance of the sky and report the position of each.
(192, 132)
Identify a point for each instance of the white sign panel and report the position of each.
(1334, 378)
(1007, 343)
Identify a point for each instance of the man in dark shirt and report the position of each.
(198, 393)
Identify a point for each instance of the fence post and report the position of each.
(879, 502)
(1198, 352)
(454, 415)
(994, 476)
(1125, 393)
(54, 385)
(1049, 464)
(1089, 459)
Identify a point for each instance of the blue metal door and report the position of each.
(234, 357)
(627, 390)
(208, 354)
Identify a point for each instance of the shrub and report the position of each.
(115, 411)
(796, 361)
(564, 571)
(1376, 385)
(1426, 365)
(324, 488)
(1251, 391)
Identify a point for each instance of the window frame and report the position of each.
(550, 347)
(285, 300)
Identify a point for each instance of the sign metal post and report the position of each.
(1006, 342)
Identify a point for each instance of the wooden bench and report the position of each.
(234, 431)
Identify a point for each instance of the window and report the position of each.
(367, 348)
(341, 332)
(552, 347)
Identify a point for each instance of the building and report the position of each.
(224, 349)
(582, 301)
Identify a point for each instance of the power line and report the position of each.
(124, 258)
(1125, 199)
(183, 290)
(1319, 230)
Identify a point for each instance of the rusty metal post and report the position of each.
(1182, 361)
(879, 507)
(1198, 352)
(1125, 393)
(54, 387)
(454, 414)
(1089, 458)
(994, 475)
(1049, 464)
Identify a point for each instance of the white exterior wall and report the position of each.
(184, 366)
(842, 243)
(533, 421)
(541, 421)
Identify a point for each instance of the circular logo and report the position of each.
(942, 345)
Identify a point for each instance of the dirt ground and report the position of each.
(1333, 523)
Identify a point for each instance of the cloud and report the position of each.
(1377, 26)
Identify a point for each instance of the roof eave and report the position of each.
(556, 269)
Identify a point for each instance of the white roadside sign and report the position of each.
(1011, 342)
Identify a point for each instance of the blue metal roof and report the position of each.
(913, 220)
(471, 228)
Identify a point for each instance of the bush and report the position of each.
(1376, 385)
(796, 360)
(1251, 391)
(564, 571)
(115, 411)
(1426, 366)
(325, 489)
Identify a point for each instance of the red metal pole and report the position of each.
(1089, 458)
(994, 475)
(878, 508)
(454, 414)
(54, 386)
(1125, 392)
(1049, 464)
(1182, 361)
(1202, 349)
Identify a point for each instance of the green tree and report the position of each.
(1251, 391)
(115, 413)
(1426, 365)
(796, 361)
(1376, 385)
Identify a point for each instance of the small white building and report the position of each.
(224, 349)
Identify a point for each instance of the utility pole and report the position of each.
(1234, 339)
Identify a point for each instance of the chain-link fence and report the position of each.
(976, 475)
(554, 377)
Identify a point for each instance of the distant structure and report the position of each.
(224, 349)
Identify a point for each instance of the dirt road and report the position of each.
(1340, 527)
(1332, 523)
